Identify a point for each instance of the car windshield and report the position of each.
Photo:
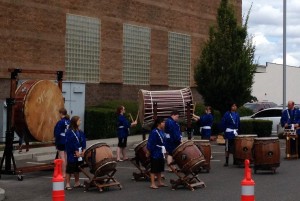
(250, 106)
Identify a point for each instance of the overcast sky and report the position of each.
(266, 26)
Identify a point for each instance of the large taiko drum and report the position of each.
(243, 145)
(99, 158)
(167, 101)
(266, 153)
(141, 154)
(188, 157)
(36, 109)
(205, 148)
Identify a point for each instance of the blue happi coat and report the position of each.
(206, 121)
(123, 126)
(155, 142)
(230, 120)
(60, 130)
(74, 141)
(173, 135)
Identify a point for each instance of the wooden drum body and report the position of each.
(188, 157)
(141, 154)
(167, 101)
(205, 148)
(99, 158)
(266, 153)
(243, 148)
(36, 109)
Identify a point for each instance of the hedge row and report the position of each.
(100, 121)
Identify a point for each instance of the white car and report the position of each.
(272, 114)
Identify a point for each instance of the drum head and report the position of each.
(41, 106)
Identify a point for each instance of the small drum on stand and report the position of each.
(243, 148)
(205, 148)
(141, 158)
(189, 159)
(266, 153)
(291, 148)
(99, 158)
(167, 101)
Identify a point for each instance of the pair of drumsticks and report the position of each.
(137, 116)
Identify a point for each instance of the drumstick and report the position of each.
(131, 117)
(137, 116)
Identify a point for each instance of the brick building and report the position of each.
(115, 46)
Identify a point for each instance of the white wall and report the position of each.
(269, 85)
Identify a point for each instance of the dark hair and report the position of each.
(119, 109)
(157, 121)
(73, 123)
(63, 111)
(230, 105)
(175, 112)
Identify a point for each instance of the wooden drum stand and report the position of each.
(291, 139)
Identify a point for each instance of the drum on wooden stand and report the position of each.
(243, 148)
(37, 103)
(167, 101)
(205, 148)
(266, 153)
(188, 157)
(141, 155)
(99, 158)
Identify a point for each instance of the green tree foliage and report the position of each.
(224, 73)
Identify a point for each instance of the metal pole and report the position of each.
(284, 54)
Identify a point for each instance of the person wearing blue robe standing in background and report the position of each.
(205, 121)
(230, 125)
(123, 126)
(60, 130)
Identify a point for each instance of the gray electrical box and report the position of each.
(74, 94)
(3, 122)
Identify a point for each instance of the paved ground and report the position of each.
(223, 183)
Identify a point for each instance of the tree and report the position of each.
(224, 72)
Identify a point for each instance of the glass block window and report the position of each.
(179, 59)
(82, 48)
(136, 55)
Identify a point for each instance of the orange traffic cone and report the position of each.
(247, 184)
(58, 193)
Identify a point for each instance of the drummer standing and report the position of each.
(290, 120)
(156, 147)
(230, 124)
(123, 126)
(205, 122)
(173, 134)
(75, 147)
(60, 137)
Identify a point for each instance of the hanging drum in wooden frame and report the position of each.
(36, 109)
(167, 101)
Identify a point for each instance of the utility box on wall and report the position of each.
(3, 122)
(74, 94)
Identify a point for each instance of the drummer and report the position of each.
(123, 131)
(75, 147)
(205, 122)
(156, 147)
(173, 135)
(290, 119)
(60, 137)
(230, 124)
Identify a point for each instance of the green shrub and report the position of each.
(243, 111)
(261, 128)
(100, 121)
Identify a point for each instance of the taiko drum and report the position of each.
(37, 103)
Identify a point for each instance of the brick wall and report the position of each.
(32, 36)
